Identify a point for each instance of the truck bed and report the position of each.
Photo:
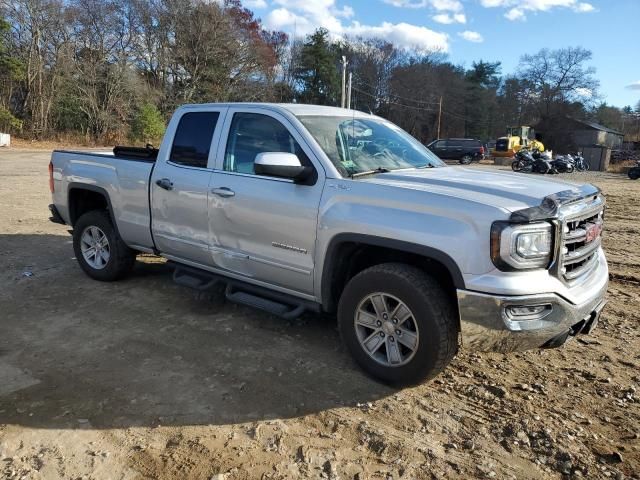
(123, 179)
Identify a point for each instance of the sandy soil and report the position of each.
(142, 379)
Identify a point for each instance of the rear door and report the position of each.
(180, 186)
(455, 149)
(263, 228)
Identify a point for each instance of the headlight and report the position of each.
(521, 247)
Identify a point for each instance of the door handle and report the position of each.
(223, 192)
(165, 183)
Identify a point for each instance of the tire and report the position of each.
(634, 173)
(570, 168)
(115, 259)
(466, 160)
(516, 166)
(432, 325)
(542, 169)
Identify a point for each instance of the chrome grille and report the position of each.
(581, 239)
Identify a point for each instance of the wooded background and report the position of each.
(106, 71)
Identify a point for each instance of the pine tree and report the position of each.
(148, 124)
(317, 72)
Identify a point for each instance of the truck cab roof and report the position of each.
(293, 108)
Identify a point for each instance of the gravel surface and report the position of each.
(144, 379)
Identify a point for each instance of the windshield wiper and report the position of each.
(370, 172)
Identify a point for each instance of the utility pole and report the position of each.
(344, 80)
(349, 91)
(439, 116)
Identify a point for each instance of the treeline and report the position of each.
(104, 70)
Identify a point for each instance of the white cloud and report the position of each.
(403, 35)
(584, 8)
(517, 9)
(283, 19)
(515, 14)
(584, 92)
(304, 16)
(634, 85)
(254, 4)
(470, 36)
(450, 5)
(440, 5)
(448, 19)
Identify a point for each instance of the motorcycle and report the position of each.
(634, 172)
(564, 164)
(580, 163)
(542, 162)
(523, 161)
(527, 161)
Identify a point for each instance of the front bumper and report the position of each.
(487, 325)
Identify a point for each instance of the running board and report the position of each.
(275, 303)
(194, 278)
(269, 305)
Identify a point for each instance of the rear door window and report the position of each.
(192, 141)
(454, 143)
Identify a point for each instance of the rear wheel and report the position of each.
(99, 249)
(398, 323)
(466, 159)
(634, 173)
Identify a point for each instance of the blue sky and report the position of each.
(492, 30)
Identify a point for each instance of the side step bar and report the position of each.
(194, 278)
(275, 303)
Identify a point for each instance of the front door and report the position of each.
(180, 187)
(263, 228)
(440, 148)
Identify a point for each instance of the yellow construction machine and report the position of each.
(517, 138)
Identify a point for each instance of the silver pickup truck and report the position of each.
(305, 208)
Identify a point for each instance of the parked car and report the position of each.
(466, 150)
(305, 208)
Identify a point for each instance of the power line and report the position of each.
(388, 102)
(398, 96)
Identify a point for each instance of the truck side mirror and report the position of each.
(282, 165)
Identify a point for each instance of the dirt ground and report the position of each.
(142, 379)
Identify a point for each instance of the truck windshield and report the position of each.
(358, 145)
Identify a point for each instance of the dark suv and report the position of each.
(466, 150)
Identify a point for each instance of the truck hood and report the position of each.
(507, 190)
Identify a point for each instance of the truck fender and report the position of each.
(331, 260)
(92, 188)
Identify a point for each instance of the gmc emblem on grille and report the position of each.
(593, 231)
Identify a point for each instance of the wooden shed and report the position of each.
(588, 134)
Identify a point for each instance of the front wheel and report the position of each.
(398, 323)
(516, 165)
(634, 173)
(99, 249)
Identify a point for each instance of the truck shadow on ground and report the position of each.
(144, 352)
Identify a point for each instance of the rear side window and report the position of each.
(192, 141)
(254, 133)
(472, 143)
(454, 143)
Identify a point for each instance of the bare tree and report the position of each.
(552, 77)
